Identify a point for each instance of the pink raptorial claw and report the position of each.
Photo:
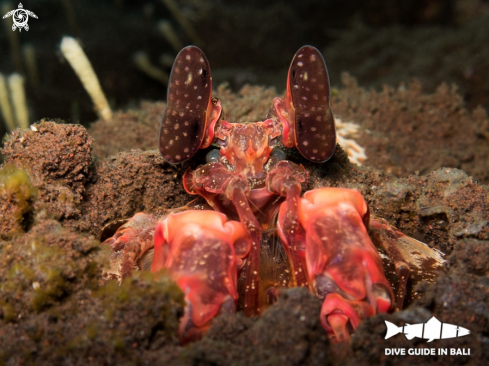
(343, 265)
(213, 182)
(198, 249)
(339, 325)
(133, 240)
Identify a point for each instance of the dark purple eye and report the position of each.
(182, 128)
(314, 127)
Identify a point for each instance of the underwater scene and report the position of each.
(189, 182)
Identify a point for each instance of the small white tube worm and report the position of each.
(17, 94)
(5, 107)
(182, 20)
(73, 52)
(30, 61)
(167, 31)
(142, 61)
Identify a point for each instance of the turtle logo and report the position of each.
(20, 17)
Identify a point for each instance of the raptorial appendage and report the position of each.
(202, 251)
(343, 265)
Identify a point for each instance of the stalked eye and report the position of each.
(278, 154)
(213, 156)
(183, 126)
(308, 87)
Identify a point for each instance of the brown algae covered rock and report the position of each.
(45, 266)
(17, 195)
(111, 325)
(236, 106)
(55, 307)
(128, 183)
(439, 209)
(86, 194)
(57, 157)
(288, 333)
(134, 129)
(124, 323)
(407, 130)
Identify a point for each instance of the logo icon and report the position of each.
(432, 329)
(20, 17)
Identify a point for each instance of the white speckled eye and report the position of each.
(185, 121)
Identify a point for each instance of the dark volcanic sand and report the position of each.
(55, 308)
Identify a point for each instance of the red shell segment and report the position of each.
(198, 249)
(343, 265)
(248, 147)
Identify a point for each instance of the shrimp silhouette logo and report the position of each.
(20, 17)
(431, 330)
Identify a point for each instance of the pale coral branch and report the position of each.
(167, 31)
(73, 52)
(142, 61)
(17, 93)
(5, 107)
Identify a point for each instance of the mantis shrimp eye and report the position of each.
(278, 154)
(213, 156)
